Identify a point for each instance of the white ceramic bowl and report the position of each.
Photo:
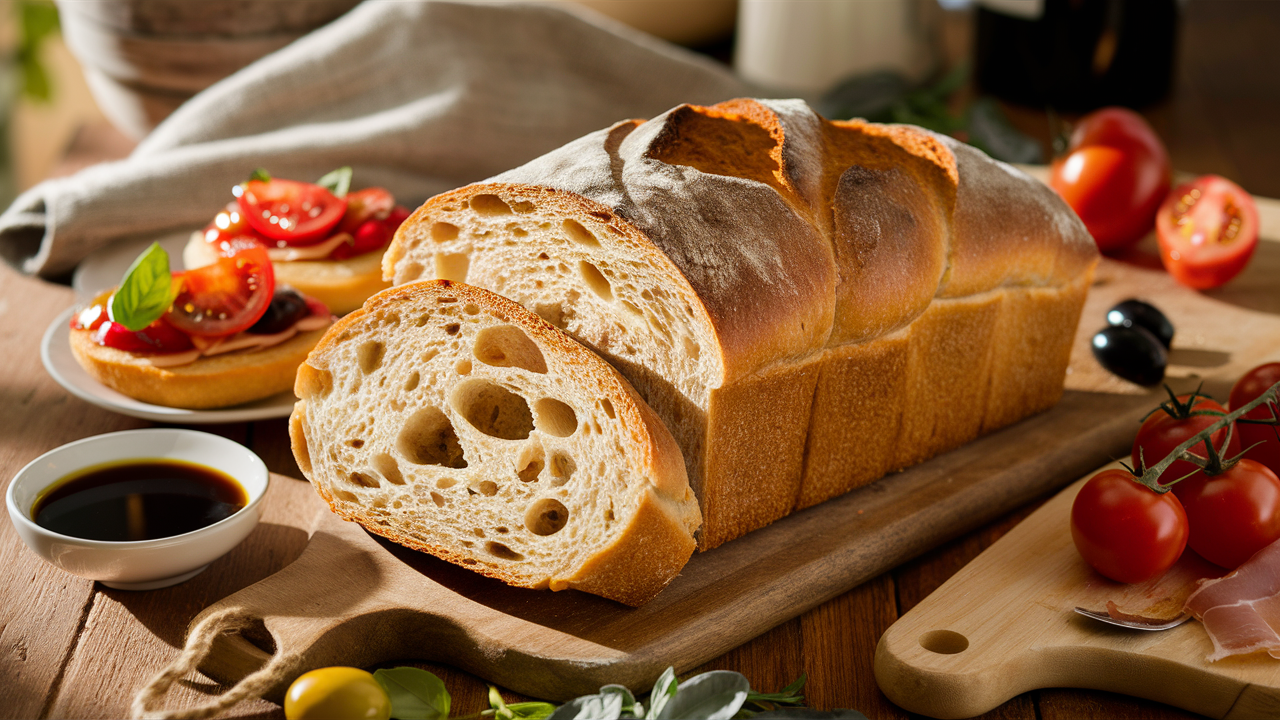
(146, 564)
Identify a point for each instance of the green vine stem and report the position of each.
(1151, 476)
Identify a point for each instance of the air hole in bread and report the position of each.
(561, 467)
(444, 232)
(411, 271)
(632, 309)
(428, 355)
(362, 480)
(369, 356)
(471, 309)
(501, 530)
(547, 516)
(487, 488)
(595, 280)
(388, 468)
(446, 300)
(543, 256)
(463, 367)
(477, 532)
(691, 348)
(580, 234)
(345, 496)
(503, 552)
(519, 232)
(356, 443)
(445, 483)
(397, 505)
(452, 328)
(452, 266)
(523, 206)
(608, 408)
(411, 383)
(428, 438)
(437, 498)
(530, 471)
(508, 346)
(555, 418)
(552, 313)
(487, 204)
(379, 502)
(493, 409)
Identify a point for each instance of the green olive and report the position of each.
(336, 692)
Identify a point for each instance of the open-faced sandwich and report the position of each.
(322, 239)
(219, 335)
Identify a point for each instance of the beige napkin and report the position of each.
(419, 97)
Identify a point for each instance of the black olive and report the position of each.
(1133, 353)
(287, 307)
(1144, 315)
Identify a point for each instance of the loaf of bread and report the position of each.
(455, 421)
(808, 305)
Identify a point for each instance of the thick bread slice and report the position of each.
(209, 382)
(808, 305)
(342, 285)
(455, 421)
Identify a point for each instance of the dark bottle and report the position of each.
(1077, 54)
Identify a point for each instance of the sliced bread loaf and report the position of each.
(452, 420)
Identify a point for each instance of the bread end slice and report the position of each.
(452, 420)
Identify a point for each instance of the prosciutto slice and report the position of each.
(1160, 599)
(1241, 611)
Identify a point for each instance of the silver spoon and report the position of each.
(1135, 625)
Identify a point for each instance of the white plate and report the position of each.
(104, 268)
(55, 352)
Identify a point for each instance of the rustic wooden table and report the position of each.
(72, 648)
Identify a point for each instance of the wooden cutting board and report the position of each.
(352, 599)
(1005, 624)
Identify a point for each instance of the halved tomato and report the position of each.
(227, 296)
(290, 212)
(1208, 229)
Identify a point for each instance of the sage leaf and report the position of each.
(622, 691)
(337, 181)
(663, 690)
(715, 695)
(415, 694)
(146, 292)
(602, 706)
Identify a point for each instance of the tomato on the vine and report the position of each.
(1233, 514)
(1115, 175)
(1170, 426)
(1125, 530)
(1262, 442)
(288, 211)
(227, 296)
(1208, 230)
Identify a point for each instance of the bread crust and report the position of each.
(208, 382)
(629, 560)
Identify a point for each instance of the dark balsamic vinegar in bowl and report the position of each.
(138, 500)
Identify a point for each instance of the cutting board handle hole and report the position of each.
(944, 642)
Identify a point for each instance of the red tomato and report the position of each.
(227, 296)
(1161, 432)
(1126, 531)
(1115, 175)
(1234, 514)
(371, 235)
(373, 203)
(1208, 229)
(290, 212)
(1262, 441)
(158, 337)
(226, 227)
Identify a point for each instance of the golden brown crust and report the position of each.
(208, 382)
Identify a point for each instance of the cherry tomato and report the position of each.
(371, 235)
(226, 227)
(1115, 175)
(290, 212)
(1162, 431)
(227, 296)
(1126, 531)
(373, 203)
(1208, 230)
(1234, 514)
(336, 692)
(1264, 439)
(158, 337)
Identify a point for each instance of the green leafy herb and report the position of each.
(789, 695)
(415, 694)
(715, 695)
(523, 710)
(37, 20)
(260, 174)
(146, 292)
(663, 690)
(337, 182)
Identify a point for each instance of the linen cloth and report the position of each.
(418, 97)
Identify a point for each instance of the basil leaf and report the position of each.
(531, 710)
(260, 175)
(715, 695)
(146, 292)
(663, 690)
(415, 694)
(337, 182)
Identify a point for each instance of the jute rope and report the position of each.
(146, 704)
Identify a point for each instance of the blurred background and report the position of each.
(83, 80)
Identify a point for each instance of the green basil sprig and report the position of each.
(146, 292)
(337, 181)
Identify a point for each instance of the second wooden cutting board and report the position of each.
(1005, 625)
